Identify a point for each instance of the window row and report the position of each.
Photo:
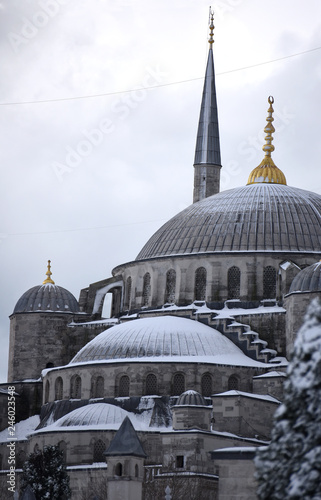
(200, 282)
(178, 386)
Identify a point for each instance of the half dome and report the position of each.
(256, 217)
(164, 338)
(93, 414)
(307, 280)
(47, 297)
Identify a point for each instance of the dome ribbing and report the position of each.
(48, 297)
(256, 217)
(307, 280)
(162, 338)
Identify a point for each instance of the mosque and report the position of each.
(171, 395)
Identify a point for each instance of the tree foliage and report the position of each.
(46, 473)
(290, 467)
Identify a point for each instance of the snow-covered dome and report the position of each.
(47, 297)
(93, 414)
(163, 338)
(307, 280)
(191, 398)
(257, 217)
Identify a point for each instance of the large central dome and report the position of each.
(256, 217)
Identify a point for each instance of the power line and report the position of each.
(81, 228)
(91, 96)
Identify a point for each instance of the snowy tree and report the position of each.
(290, 467)
(46, 473)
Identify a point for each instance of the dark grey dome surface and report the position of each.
(307, 280)
(257, 217)
(48, 298)
(191, 398)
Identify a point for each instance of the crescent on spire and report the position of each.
(267, 171)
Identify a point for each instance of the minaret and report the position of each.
(207, 163)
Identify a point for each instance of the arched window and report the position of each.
(269, 283)
(233, 282)
(47, 388)
(233, 383)
(58, 389)
(170, 286)
(200, 283)
(146, 289)
(98, 454)
(128, 292)
(118, 469)
(75, 387)
(206, 384)
(124, 386)
(151, 384)
(178, 384)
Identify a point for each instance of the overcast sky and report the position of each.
(85, 182)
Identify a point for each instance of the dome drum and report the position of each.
(136, 376)
(211, 278)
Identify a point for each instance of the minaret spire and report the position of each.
(207, 162)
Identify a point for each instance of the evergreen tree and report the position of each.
(290, 467)
(46, 473)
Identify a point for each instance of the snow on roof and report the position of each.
(103, 416)
(264, 397)
(163, 339)
(271, 375)
(22, 429)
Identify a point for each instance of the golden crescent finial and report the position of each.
(211, 25)
(48, 273)
(267, 171)
(269, 129)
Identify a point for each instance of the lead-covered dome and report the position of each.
(191, 398)
(163, 338)
(47, 297)
(256, 217)
(307, 280)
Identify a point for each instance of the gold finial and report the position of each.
(211, 24)
(269, 129)
(267, 171)
(48, 273)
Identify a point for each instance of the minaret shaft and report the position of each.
(207, 163)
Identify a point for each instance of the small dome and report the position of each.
(307, 280)
(163, 338)
(48, 297)
(93, 414)
(191, 398)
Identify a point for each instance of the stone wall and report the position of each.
(42, 339)
(296, 305)
(137, 373)
(250, 265)
(243, 415)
